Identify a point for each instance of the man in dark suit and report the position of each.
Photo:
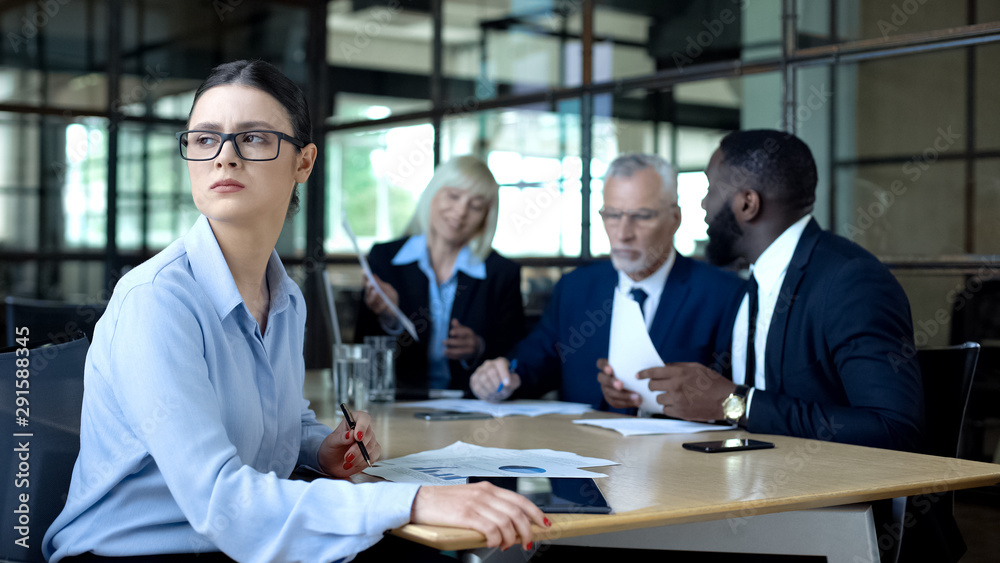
(829, 320)
(820, 339)
(687, 305)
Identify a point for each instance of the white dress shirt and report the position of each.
(769, 270)
(652, 285)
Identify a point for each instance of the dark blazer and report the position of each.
(492, 308)
(693, 323)
(836, 364)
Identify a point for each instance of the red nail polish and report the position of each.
(360, 436)
(348, 465)
(350, 458)
(530, 544)
(347, 436)
(547, 523)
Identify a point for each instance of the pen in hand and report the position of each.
(352, 423)
(511, 368)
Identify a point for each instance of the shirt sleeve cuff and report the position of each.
(312, 437)
(391, 505)
(749, 401)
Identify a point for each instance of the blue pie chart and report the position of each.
(522, 469)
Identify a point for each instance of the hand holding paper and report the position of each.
(673, 379)
(614, 391)
(631, 350)
(407, 324)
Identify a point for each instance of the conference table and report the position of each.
(805, 497)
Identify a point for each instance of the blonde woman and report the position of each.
(463, 297)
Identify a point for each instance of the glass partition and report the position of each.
(496, 49)
(534, 154)
(375, 176)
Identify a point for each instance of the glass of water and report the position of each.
(383, 368)
(351, 374)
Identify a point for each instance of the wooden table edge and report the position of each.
(573, 525)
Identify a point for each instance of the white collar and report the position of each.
(773, 262)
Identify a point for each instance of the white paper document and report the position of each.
(631, 350)
(646, 426)
(454, 464)
(499, 410)
(407, 324)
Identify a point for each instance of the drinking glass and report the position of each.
(351, 373)
(382, 382)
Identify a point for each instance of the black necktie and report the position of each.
(751, 334)
(639, 296)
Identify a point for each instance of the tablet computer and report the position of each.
(556, 495)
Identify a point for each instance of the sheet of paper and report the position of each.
(454, 464)
(631, 350)
(645, 426)
(499, 410)
(407, 324)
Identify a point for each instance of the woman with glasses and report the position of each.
(463, 298)
(193, 417)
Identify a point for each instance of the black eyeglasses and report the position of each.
(250, 145)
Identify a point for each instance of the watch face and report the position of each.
(733, 407)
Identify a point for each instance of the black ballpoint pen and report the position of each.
(351, 422)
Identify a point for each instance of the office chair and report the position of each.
(947, 375)
(39, 464)
(976, 318)
(51, 320)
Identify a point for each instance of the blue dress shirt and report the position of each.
(442, 297)
(193, 420)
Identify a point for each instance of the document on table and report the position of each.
(407, 324)
(454, 464)
(505, 408)
(631, 350)
(646, 426)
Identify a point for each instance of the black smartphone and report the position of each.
(451, 415)
(730, 445)
(556, 495)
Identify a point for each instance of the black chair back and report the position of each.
(42, 438)
(57, 321)
(947, 377)
(923, 527)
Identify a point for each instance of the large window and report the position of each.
(375, 177)
(894, 98)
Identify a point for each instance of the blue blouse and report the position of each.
(193, 420)
(442, 298)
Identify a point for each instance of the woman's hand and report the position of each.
(340, 456)
(503, 516)
(462, 343)
(375, 301)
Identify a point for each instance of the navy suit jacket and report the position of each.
(492, 308)
(693, 323)
(839, 363)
